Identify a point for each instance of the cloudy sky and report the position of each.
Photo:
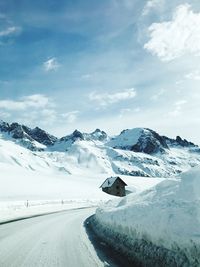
(109, 64)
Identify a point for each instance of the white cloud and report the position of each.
(175, 38)
(46, 117)
(195, 75)
(178, 106)
(136, 110)
(10, 31)
(87, 76)
(70, 116)
(33, 101)
(127, 111)
(180, 102)
(51, 64)
(124, 112)
(105, 99)
(34, 109)
(4, 115)
(37, 101)
(48, 112)
(152, 5)
(179, 82)
(156, 96)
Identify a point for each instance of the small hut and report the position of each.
(114, 186)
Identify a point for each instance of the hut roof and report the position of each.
(110, 181)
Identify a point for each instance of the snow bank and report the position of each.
(161, 225)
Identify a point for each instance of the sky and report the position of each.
(109, 64)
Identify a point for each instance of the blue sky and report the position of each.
(109, 64)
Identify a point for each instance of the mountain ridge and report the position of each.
(134, 152)
(20, 131)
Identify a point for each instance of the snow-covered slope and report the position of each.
(127, 138)
(135, 152)
(160, 225)
(31, 175)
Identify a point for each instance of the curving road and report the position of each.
(52, 240)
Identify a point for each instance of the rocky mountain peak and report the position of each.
(178, 142)
(18, 131)
(139, 140)
(78, 135)
(42, 136)
(184, 142)
(99, 135)
(150, 142)
(24, 134)
(4, 126)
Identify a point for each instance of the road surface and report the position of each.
(52, 240)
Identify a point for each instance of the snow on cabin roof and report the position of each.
(110, 181)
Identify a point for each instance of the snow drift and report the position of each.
(159, 226)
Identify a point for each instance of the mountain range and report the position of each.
(134, 152)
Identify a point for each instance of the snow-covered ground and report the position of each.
(43, 179)
(48, 191)
(14, 210)
(160, 225)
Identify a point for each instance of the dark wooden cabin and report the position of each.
(114, 186)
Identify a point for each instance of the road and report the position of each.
(52, 240)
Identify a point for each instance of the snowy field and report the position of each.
(48, 191)
(25, 193)
(43, 181)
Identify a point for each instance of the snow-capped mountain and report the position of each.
(34, 139)
(135, 152)
(64, 143)
(146, 141)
